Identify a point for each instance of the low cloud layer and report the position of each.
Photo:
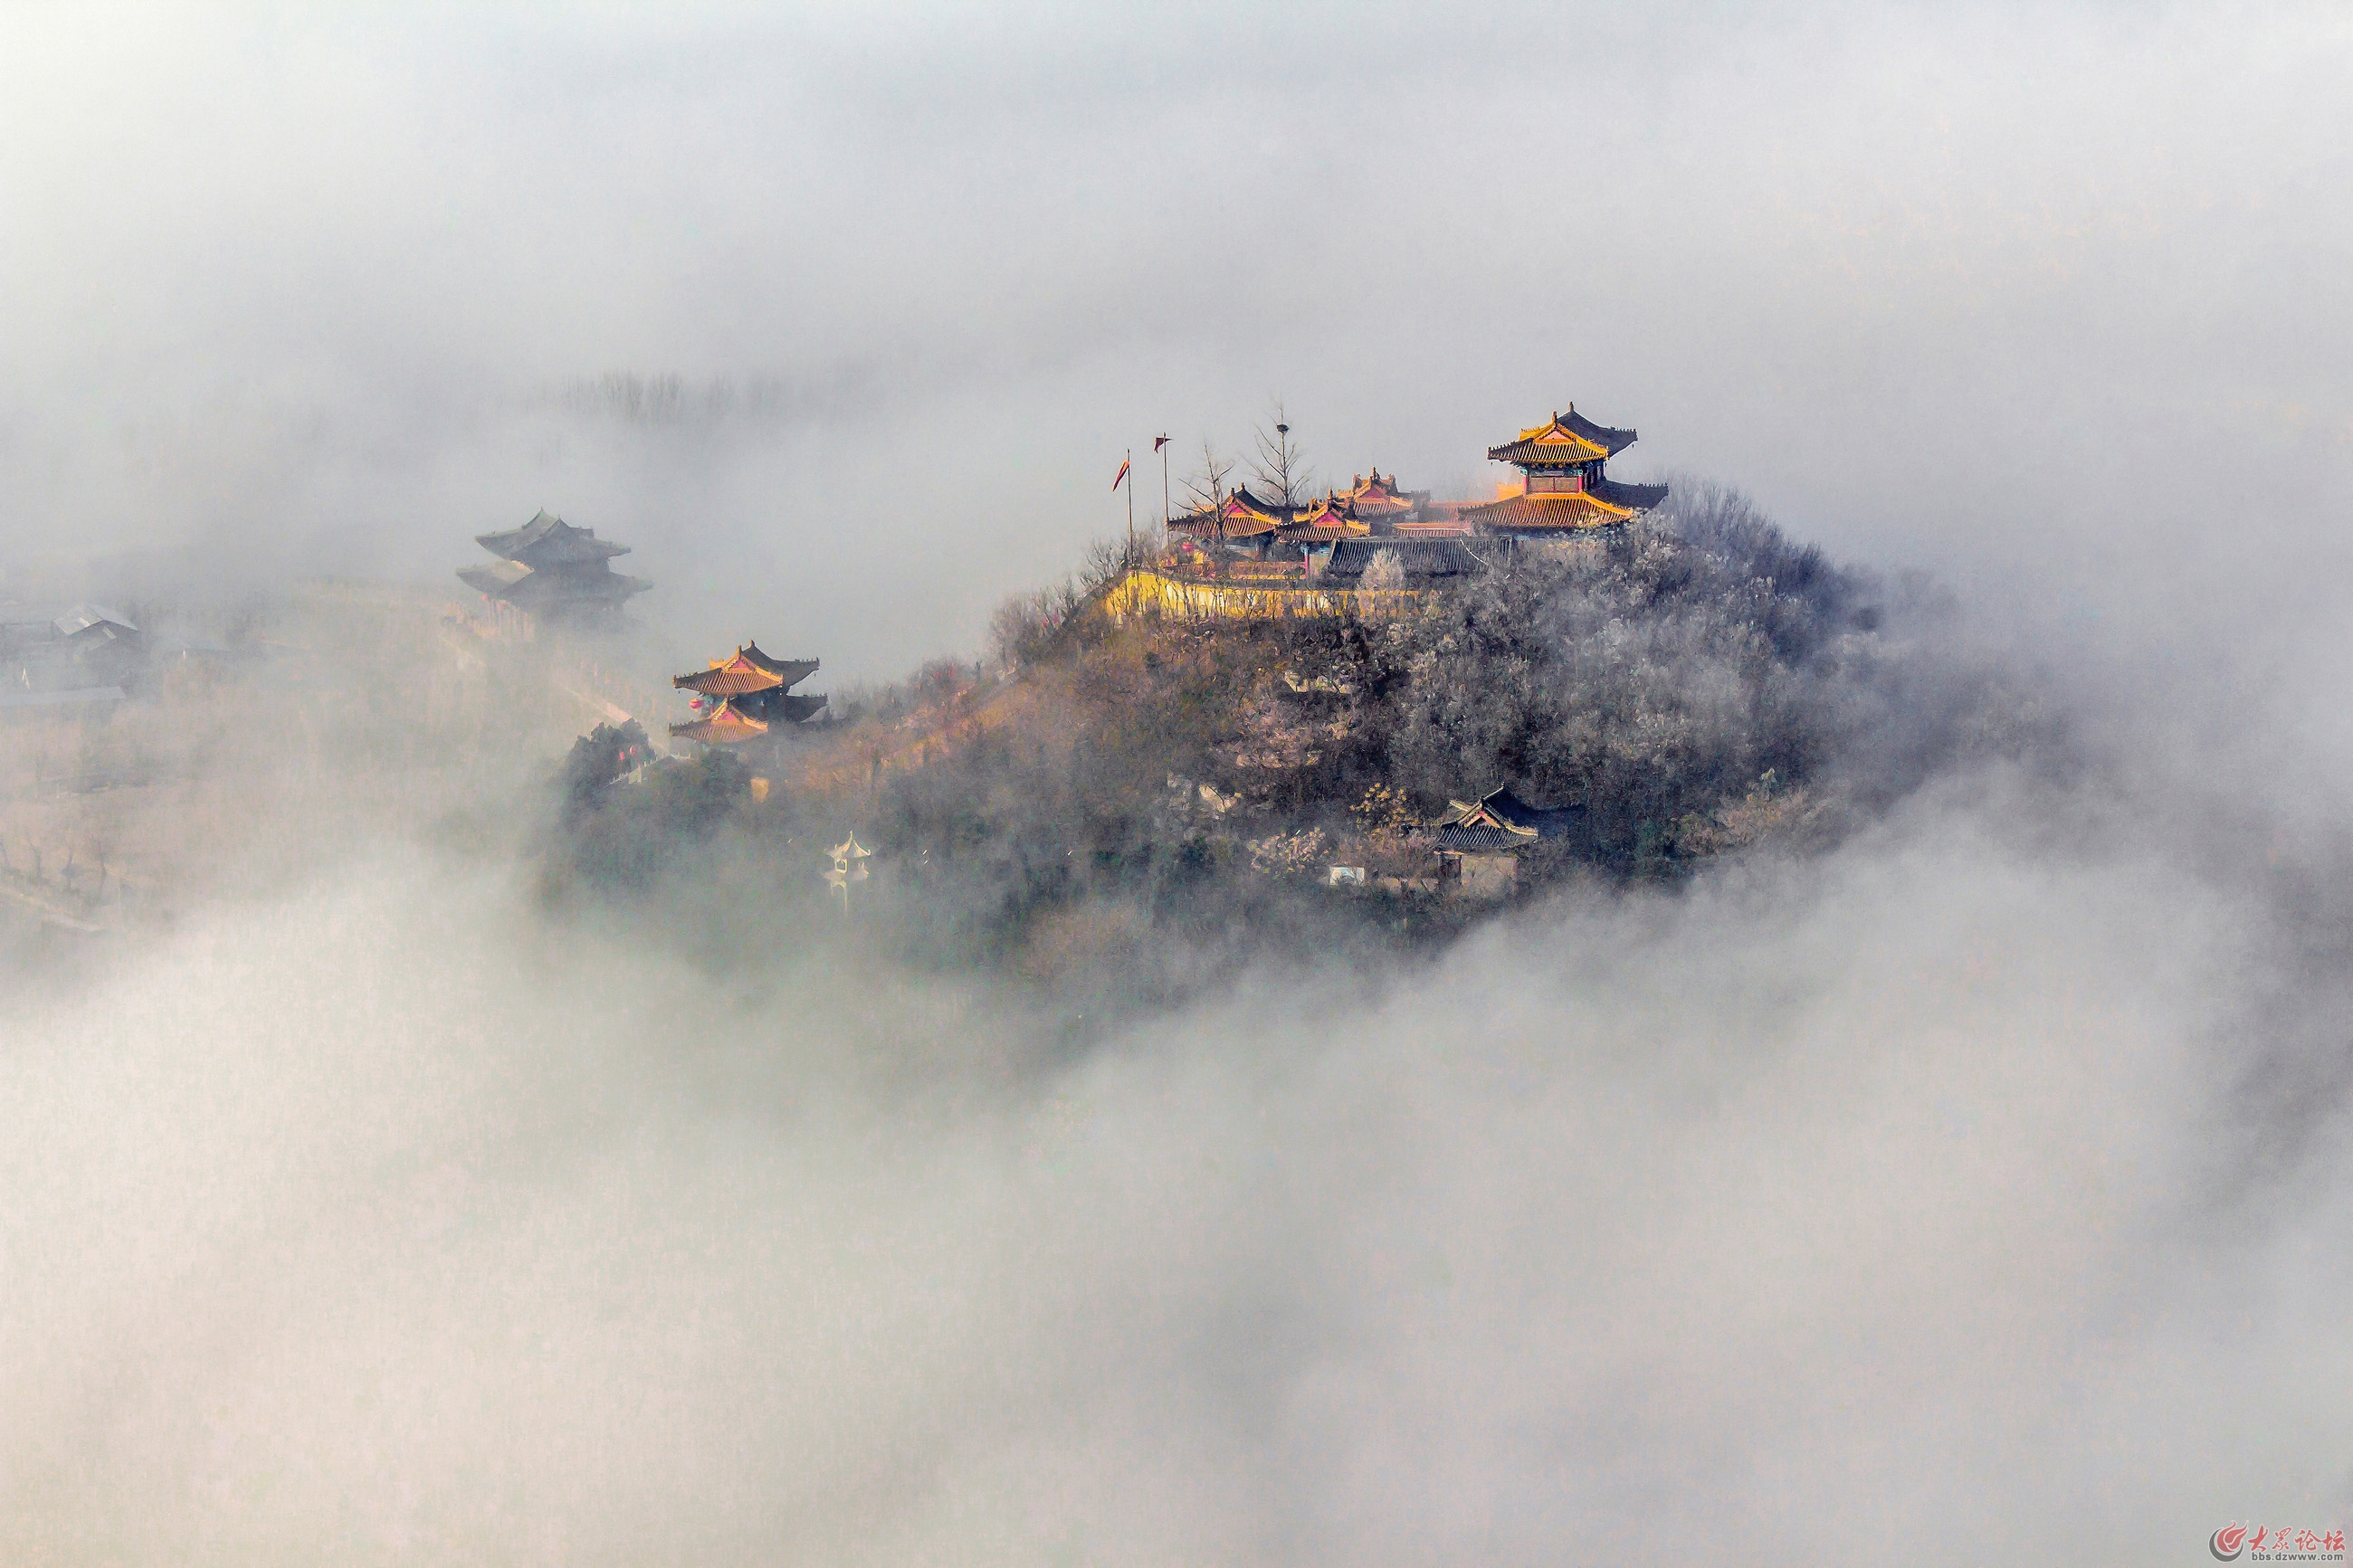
(1920, 1200)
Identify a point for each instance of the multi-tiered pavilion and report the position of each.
(1562, 491)
(746, 697)
(556, 572)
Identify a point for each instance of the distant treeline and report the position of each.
(671, 401)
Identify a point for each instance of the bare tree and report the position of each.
(1279, 465)
(1204, 490)
(1108, 560)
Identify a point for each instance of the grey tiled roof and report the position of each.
(1455, 837)
(1642, 497)
(549, 541)
(1425, 561)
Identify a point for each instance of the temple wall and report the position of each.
(1143, 593)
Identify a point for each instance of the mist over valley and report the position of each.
(1775, 992)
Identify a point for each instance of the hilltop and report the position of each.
(1118, 787)
(1103, 787)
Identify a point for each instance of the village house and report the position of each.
(86, 654)
(1480, 842)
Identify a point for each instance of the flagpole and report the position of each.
(1124, 469)
(1163, 445)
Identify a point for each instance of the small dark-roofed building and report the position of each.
(87, 647)
(106, 648)
(1479, 842)
(95, 622)
(1499, 821)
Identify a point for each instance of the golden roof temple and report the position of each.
(746, 695)
(1563, 489)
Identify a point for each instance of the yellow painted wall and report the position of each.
(1179, 598)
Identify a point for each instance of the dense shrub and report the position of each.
(1656, 676)
(616, 835)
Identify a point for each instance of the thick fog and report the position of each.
(2041, 296)
(1974, 1190)
(1977, 1187)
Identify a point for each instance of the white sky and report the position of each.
(2048, 297)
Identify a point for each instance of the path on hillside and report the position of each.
(862, 753)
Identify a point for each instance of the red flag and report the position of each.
(1122, 476)
(1158, 442)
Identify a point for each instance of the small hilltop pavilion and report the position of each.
(746, 698)
(1562, 491)
(555, 572)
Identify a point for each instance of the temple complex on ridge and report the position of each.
(1563, 490)
(554, 570)
(746, 697)
(1377, 548)
(1379, 505)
